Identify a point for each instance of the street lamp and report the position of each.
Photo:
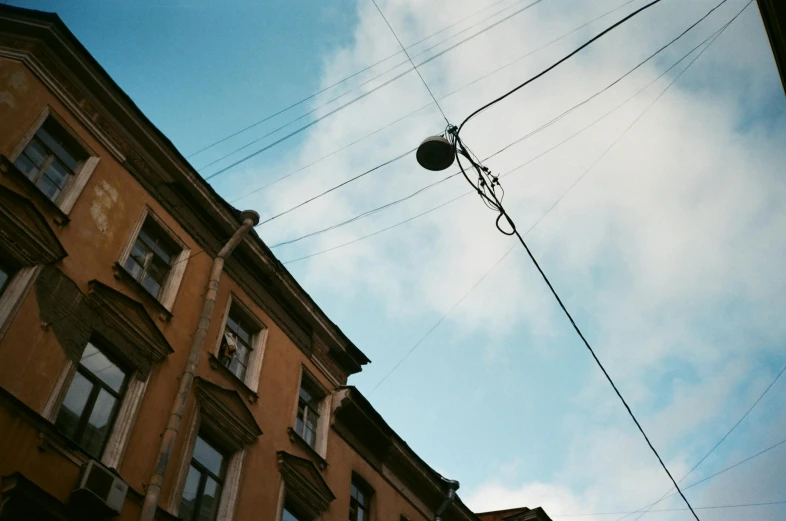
(438, 152)
(435, 153)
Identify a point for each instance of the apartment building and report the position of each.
(156, 360)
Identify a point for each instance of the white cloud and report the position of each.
(669, 252)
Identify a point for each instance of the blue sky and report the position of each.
(668, 251)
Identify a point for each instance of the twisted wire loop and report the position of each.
(487, 185)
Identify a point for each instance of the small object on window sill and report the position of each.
(244, 390)
(228, 346)
(297, 439)
(122, 274)
(8, 168)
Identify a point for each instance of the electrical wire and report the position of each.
(668, 493)
(713, 507)
(481, 78)
(350, 180)
(556, 64)
(351, 102)
(410, 60)
(297, 103)
(498, 204)
(539, 129)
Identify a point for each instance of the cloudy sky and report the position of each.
(656, 208)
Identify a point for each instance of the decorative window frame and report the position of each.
(301, 482)
(231, 486)
(258, 342)
(14, 294)
(117, 442)
(67, 198)
(175, 277)
(209, 417)
(128, 332)
(358, 479)
(325, 407)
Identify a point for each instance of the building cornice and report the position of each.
(45, 45)
(360, 425)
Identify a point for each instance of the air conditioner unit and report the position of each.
(98, 492)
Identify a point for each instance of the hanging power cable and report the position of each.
(348, 103)
(511, 171)
(559, 62)
(361, 71)
(434, 154)
(534, 132)
(455, 91)
(410, 59)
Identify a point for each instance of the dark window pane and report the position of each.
(74, 405)
(106, 370)
(231, 324)
(59, 141)
(58, 174)
(50, 189)
(97, 428)
(133, 267)
(158, 270)
(153, 287)
(299, 426)
(208, 507)
(208, 456)
(238, 365)
(27, 168)
(157, 241)
(190, 492)
(305, 395)
(36, 153)
(5, 276)
(242, 332)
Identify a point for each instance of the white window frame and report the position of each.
(117, 442)
(68, 196)
(324, 411)
(178, 267)
(15, 293)
(258, 342)
(231, 487)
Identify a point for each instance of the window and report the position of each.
(205, 478)
(237, 342)
(152, 257)
(307, 418)
(6, 273)
(51, 158)
(290, 513)
(90, 405)
(360, 501)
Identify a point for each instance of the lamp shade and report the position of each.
(435, 153)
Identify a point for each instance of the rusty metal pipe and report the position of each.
(153, 492)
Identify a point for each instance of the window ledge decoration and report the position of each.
(142, 342)
(243, 389)
(225, 416)
(74, 317)
(8, 168)
(24, 232)
(304, 484)
(122, 274)
(298, 440)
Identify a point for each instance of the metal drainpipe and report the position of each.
(453, 486)
(153, 492)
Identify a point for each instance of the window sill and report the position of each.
(8, 168)
(244, 390)
(122, 274)
(298, 440)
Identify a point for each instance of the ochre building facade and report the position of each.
(136, 367)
